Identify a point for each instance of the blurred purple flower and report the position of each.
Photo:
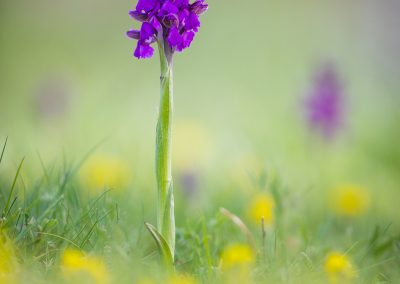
(189, 181)
(53, 98)
(324, 105)
(173, 23)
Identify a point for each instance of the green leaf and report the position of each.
(7, 207)
(162, 245)
(4, 148)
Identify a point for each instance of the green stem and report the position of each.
(165, 206)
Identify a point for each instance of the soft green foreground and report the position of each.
(50, 218)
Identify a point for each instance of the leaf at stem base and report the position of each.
(162, 245)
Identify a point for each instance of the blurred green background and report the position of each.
(68, 80)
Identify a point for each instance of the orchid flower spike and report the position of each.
(171, 23)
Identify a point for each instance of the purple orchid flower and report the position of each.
(324, 105)
(172, 23)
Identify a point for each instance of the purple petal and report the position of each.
(192, 22)
(198, 7)
(143, 50)
(139, 16)
(156, 25)
(135, 34)
(168, 8)
(187, 39)
(182, 3)
(183, 15)
(174, 37)
(146, 5)
(147, 33)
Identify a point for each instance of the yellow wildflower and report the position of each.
(102, 172)
(236, 261)
(8, 261)
(350, 200)
(339, 268)
(262, 205)
(181, 279)
(78, 266)
(237, 255)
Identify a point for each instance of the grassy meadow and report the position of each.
(263, 193)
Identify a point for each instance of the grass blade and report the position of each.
(87, 236)
(4, 148)
(240, 224)
(71, 172)
(59, 237)
(5, 210)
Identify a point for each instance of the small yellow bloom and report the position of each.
(182, 279)
(236, 261)
(262, 205)
(8, 261)
(102, 172)
(350, 200)
(78, 266)
(339, 267)
(237, 255)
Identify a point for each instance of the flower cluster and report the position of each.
(339, 267)
(262, 206)
(9, 266)
(325, 104)
(350, 200)
(236, 263)
(237, 255)
(103, 172)
(170, 22)
(77, 266)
